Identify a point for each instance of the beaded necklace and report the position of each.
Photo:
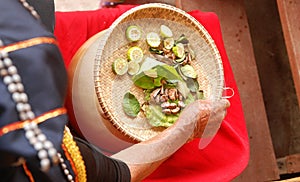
(30, 8)
(44, 147)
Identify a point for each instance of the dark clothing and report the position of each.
(45, 9)
(100, 167)
(44, 78)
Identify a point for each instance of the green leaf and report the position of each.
(178, 69)
(131, 105)
(154, 115)
(157, 118)
(172, 82)
(156, 51)
(151, 73)
(172, 118)
(192, 84)
(163, 72)
(190, 98)
(188, 71)
(149, 63)
(183, 89)
(157, 81)
(143, 81)
(182, 39)
(168, 72)
(147, 94)
(200, 94)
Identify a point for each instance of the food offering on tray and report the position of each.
(130, 82)
(161, 65)
(151, 63)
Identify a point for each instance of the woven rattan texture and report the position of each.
(111, 88)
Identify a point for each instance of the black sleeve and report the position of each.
(102, 168)
(45, 9)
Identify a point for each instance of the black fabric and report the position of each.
(45, 9)
(44, 78)
(101, 168)
(43, 75)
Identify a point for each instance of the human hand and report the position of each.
(208, 114)
(192, 122)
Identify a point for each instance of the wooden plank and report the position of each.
(290, 15)
(289, 164)
(297, 179)
(262, 165)
(275, 76)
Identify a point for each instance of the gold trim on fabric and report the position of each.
(74, 156)
(28, 43)
(28, 172)
(20, 124)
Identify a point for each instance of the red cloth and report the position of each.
(228, 153)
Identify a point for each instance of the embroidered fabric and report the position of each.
(23, 95)
(44, 147)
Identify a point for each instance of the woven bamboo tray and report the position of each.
(111, 88)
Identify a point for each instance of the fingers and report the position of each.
(225, 103)
(203, 115)
(211, 115)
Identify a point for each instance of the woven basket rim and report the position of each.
(122, 128)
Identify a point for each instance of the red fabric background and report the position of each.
(227, 155)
